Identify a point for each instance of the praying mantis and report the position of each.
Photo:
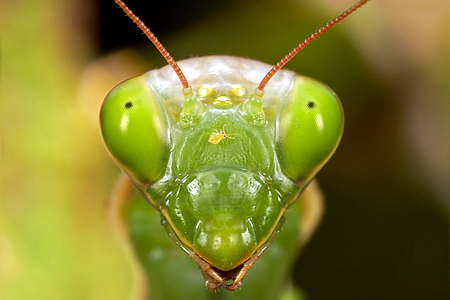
(225, 150)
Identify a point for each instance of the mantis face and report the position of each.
(222, 202)
(220, 162)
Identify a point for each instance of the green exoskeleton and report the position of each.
(222, 153)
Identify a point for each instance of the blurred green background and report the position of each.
(385, 231)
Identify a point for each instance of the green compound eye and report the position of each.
(135, 130)
(309, 128)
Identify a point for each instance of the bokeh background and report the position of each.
(385, 231)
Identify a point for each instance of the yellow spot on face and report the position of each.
(238, 90)
(205, 90)
(216, 137)
(222, 101)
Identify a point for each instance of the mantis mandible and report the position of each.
(222, 147)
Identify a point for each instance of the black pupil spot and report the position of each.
(129, 104)
(311, 104)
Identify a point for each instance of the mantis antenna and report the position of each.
(186, 87)
(260, 90)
